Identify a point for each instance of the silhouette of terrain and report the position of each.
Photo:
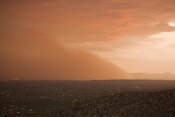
(87, 98)
(134, 104)
(154, 76)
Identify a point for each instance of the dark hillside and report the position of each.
(136, 104)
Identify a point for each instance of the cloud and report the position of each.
(112, 26)
(101, 46)
(35, 55)
(90, 46)
(83, 21)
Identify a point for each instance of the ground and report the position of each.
(107, 97)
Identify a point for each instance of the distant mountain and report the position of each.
(154, 76)
(134, 104)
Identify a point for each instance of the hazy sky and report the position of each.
(36, 55)
(136, 35)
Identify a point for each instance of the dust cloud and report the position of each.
(34, 55)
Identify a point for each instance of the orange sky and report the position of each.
(36, 55)
(137, 35)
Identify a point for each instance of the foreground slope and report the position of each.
(157, 104)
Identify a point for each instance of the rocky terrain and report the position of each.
(132, 104)
(87, 98)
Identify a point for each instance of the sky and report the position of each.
(135, 35)
(35, 55)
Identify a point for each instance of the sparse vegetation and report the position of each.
(134, 104)
(86, 98)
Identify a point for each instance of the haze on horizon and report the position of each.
(75, 39)
(35, 55)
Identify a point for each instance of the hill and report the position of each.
(154, 76)
(152, 104)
